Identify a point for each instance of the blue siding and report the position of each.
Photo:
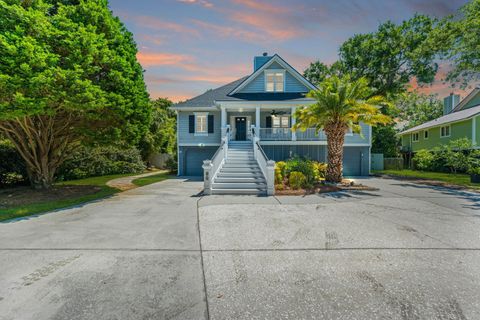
(355, 159)
(291, 83)
(190, 159)
(185, 137)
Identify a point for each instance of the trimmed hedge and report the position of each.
(100, 161)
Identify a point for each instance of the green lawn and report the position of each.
(140, 182)
(34, 208)
(450, 178)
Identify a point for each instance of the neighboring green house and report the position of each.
(461, 119)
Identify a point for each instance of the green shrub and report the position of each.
(172, 164)
(320, 170)
(301, 165)
(279, 186)
(474, 170)
(12, 167)
(297, 180)
(423, 160)
(99, 161)
(313, 171)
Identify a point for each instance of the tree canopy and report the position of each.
(161, 136)
(68, 74)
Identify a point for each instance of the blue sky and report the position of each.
(189, 46)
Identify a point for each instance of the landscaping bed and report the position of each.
(345, 185)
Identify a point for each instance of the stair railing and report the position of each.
(212, 167)
(267, 166)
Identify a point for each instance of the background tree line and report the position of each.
(394, 54)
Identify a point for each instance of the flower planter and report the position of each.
(475, 178)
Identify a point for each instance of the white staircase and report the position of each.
(240, 173)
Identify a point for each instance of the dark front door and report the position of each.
(241, 128)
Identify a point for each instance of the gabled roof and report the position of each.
(208, 98)
(284, 64)
(467, 99)
(451, 117)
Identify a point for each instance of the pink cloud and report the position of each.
(162, 59)
(162, 25)
(229, 32)
(262, 6)
(204, 3)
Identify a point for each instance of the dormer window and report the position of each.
(274, 80)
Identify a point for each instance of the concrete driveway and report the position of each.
(407, 251)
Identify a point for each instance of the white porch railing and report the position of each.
(275, 134)
(267, 166)
(311, 135)
(285, 134)
(211, 167)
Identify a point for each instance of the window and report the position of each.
(201, 125)
(280, 122)
(274, 81)
(445, 131)
(415, 137)
(425, 134)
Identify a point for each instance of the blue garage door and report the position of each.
(352, 161)
(194, 160)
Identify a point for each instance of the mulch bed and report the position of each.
(345, 185)
(19, 196)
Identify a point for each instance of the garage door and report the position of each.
(194, 160)
(352, 161)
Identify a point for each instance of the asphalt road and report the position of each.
(406, 251)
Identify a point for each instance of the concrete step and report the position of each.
(236, 174)
(240, 170)
(240, 166)
(222, 179)
(238, 185)
(258, 191)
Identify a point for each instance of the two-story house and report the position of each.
(256, 110)
(461, 119)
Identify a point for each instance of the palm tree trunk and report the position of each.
(335, 138)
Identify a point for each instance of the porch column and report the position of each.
(294, 120)
(257, 121)
(224, 121)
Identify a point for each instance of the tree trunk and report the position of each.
(335, 133)
(43, 142)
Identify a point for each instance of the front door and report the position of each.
(241, 128)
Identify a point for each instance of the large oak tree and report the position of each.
(68, 75)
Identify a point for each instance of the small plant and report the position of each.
(171, 164)
(279, 187)
(423, 160)
(297, 180)
(319, 170)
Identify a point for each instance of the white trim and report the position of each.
(200, 134)
(299, 142)
(474, 130)
(466, 100)
(264, 104)
(178, 147)
(198, 144)
(202, 109)
(284, 64)
(449, 131)
(274, 71)
(418, 136)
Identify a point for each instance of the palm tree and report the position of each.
(341, 104)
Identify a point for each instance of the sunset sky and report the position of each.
(189, 46)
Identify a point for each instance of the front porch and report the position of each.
(268, 124)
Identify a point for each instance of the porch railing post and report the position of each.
(270, 177)
(207, 176)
